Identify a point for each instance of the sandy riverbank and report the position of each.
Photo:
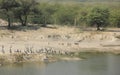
(57, 40)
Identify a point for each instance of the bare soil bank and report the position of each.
(59, 38)
(55, 40)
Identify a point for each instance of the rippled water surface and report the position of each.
(98, 65)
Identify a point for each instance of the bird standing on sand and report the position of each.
(3, 49)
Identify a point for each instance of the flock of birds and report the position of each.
(30, 50)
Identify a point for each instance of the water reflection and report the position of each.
(113, 65)
(95, 66)
(98, 65)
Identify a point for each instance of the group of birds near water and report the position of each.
(30, 50)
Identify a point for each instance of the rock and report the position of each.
(44, 58)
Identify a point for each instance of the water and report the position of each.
(98, 65)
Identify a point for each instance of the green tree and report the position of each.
(117, 21)
(26, 8)
(99, 17)
(7, 6)
(115, 18)
(65, 15)
(47, 11)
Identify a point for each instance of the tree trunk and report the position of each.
(98, 27)
(8, 18)
(44, 25)
(9, 22)
(25, 22)
(55, 21)
(75, 22)
(22, 22)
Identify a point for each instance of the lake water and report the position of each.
(97, 65)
